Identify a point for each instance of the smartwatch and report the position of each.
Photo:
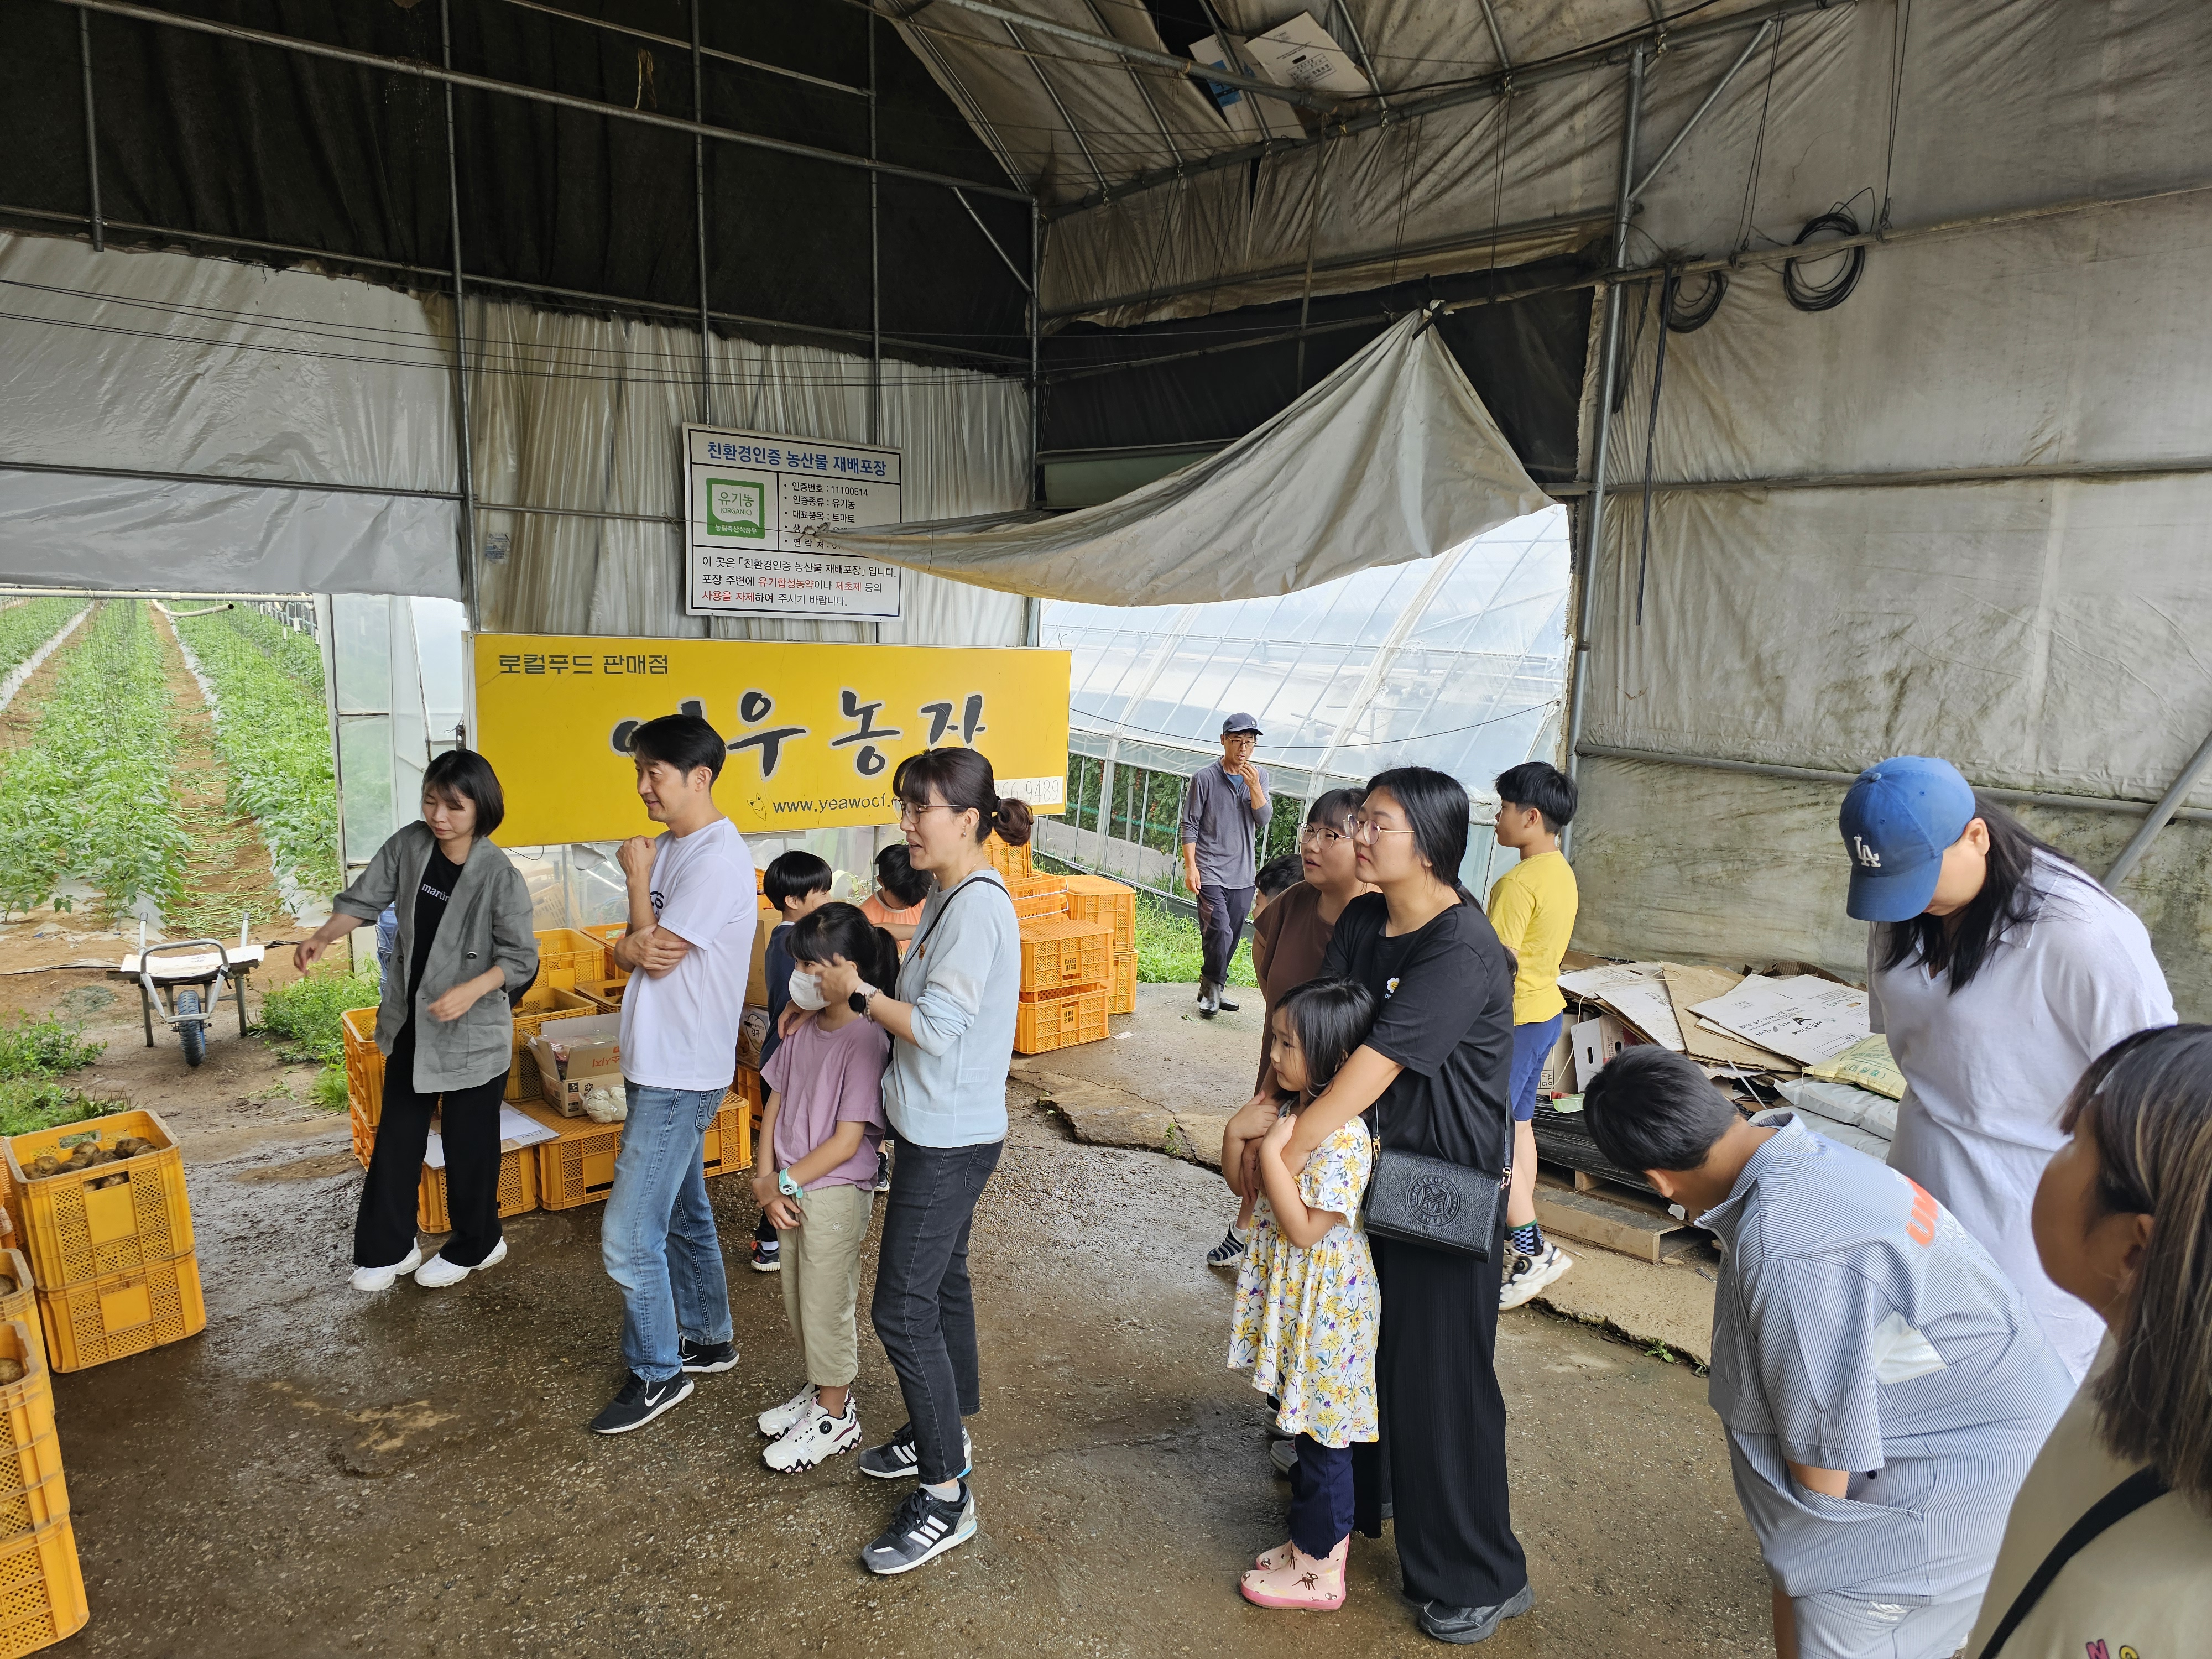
(786, 1186)
(860, 999)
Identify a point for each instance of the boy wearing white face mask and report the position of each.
(819, 1134)
(797, 885)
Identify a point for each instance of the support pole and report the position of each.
(2160, 815)
(699, 205)
(91, 130)
(1037, 322)
(1608, 370)
(875, 261)
(469, 598)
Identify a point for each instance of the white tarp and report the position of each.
(1391, 458)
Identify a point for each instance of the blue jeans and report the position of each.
(1531, 1046)
(658, 1239)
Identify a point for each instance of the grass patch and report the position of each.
(41, 1048)
(300, 1021)
(31, 1103)
(1169, 951)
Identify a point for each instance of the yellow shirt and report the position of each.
(1533, 908)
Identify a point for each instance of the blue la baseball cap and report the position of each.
(1897, 820)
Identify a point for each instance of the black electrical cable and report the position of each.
(1689, 319)
(1823, 296)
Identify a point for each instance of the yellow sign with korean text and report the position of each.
(815, 732)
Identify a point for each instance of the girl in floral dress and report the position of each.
(1307, 1307)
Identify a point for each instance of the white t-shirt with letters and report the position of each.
(680, 1031)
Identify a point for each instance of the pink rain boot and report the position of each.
(1302, 1584)
(1268, 1560)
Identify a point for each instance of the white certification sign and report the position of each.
(753, 504)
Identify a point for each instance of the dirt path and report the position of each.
(228, 871)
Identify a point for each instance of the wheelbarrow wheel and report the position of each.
(192, 1032)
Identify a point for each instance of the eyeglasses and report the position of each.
(910, 813)
(1365, 829)
(1322, 834)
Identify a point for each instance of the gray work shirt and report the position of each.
(1219, 820)
(1858, 1326)
(487, 923)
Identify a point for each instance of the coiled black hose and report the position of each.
(1824, 296)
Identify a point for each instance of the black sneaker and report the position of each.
(704, 1358)
(1463, 1627)
(1221, 1001)
(925, 1526)
(883, 1181)
(767, 1256)
(897, 1460)
(640, 1402)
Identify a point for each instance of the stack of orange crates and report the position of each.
(1096, 898)
(1011, 862)
(41, 1585)
(1067, 971)
(111, 1259)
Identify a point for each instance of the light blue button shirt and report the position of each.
(1858, 1326)
(962, 975)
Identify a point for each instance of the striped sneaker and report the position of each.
(897, 1459)
(815, 1439)
(924, 1527)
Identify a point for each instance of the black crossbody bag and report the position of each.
(1431, 1201)
(2142, 1487)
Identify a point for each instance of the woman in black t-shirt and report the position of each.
(1434, 1071)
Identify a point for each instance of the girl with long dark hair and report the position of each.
(1999, 968)
(1435, 1072)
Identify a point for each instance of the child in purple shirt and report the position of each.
(815, 1177)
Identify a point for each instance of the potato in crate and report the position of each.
(21, 1303)
(99, 1196)
(1059, 955)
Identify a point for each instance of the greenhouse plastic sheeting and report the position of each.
(165, 363)
(1390, 458)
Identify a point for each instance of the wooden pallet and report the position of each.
(1594, 1211)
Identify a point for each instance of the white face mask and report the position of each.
(806, 991)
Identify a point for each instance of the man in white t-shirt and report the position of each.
(688, 950)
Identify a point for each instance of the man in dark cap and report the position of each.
(1225, 813)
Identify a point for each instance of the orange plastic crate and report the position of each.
(42, 1590)
(1045, 1022)
(754, 1092)
(364, 1133)
(578, 1168)
(1060, 955)
(1038, 896)
(729, 1136)
(32, 1457)
(1009, 861)
(23, 1305)
(72, 1233)
(606, 994)
(122, 1314)
(1121, 998)
(1094, 898)
(566, 955)
(607, 933)
(364, 1061)
(517, 1191)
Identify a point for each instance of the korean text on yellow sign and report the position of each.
(815, 732)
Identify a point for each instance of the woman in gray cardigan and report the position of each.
(464, 954)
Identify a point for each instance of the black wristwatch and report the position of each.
(858, 1002)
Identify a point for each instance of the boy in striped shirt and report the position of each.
(1883, 1386)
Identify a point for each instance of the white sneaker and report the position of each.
(1531, 1274)
(438, 1273)
(777, 1418)
(815, 1439)
(380, 1278)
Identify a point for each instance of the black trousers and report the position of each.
(1442, 1458)
(1321, 1496)
(1221, 913)
(383, 1231)
(925, 1309)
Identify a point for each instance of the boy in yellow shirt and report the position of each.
(1532, 907)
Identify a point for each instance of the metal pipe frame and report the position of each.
(470, 597)
(2181, 467)
(1359, 50)
(1582, 60)
(1711, 98)
(1066, 119)
(91, 130)
(876, 265)
(1601, 430)
(2169, 803)
(613, 302)
(671, 40)
(924, 41)
(1845, 780)
(1036, 382)
(699, 203)
(1143, 91)
(1497, 38)
(1028, 285)
(1321, 103)
(529, 94)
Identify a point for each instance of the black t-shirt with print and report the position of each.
(431, 901)
(1443, 1000)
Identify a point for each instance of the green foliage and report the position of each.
(300, 1020)
(88, 798)
(24, 628)
(273, 734)
(40, 1047)
(329, 1089)
(30, 1104)
(1169, 951)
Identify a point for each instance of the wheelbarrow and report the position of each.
(186, 982)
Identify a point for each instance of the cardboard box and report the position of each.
(767, 920)
(1596, 1040)
(590, 1059)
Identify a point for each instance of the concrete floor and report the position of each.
(321, 1472)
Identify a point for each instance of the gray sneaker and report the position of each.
(1529, 1275)
(896, 1459)
(924, 1527)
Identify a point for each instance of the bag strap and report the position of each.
(964, 884)
(2140, 1488)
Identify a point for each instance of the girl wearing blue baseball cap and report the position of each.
(1999, 968)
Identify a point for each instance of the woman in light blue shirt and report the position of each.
(951, 1020)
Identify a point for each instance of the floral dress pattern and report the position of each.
(1306, 1320)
